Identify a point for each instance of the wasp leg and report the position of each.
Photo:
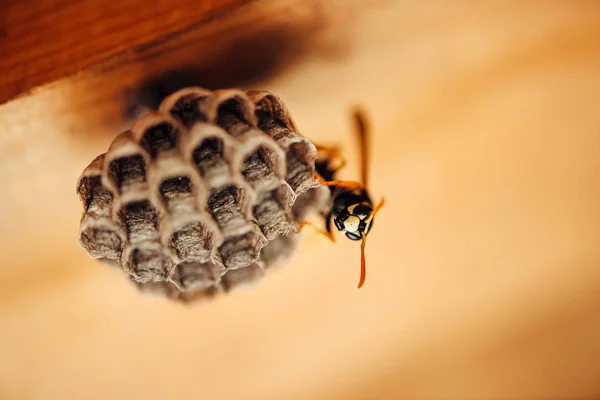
(332, 153)
(328, 220)
(293, 125)
(341, 184)
(327, 233)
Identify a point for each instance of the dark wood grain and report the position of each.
(44, 40)
(251, 43)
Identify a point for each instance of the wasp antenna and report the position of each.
(363, 132)
(351, 185)
(326, 234)
(363, 264)
(379, 206)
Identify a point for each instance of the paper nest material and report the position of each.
(201, 196)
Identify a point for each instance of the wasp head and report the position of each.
(355, 220)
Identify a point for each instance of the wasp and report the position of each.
(352, 211)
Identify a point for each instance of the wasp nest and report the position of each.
(199, 196)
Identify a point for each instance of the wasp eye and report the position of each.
(339, 224)
(340, 219)
(353, 236)
(362, 211)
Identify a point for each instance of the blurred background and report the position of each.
(483, 276)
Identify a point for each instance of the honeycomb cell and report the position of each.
(101, 242)
(140, 221)
(99, 235)
(193, 242)
(225, 205)
(159, 138)
(191, 276)
(273, 214)
(242, 250)
(209, 156)
(259, 169)
(242, 278)
(128, 173)
(185, 105)
(146, 262)
(300, 167)
(177, 193)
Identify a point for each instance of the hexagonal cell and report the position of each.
(208, 156)
(300, 153)
(193, 296)
(278, 250)
(315, 200)
(272, 213)
(193, 242)
(97, 200)
(146, 262)
(258, 168)
(177, 193)
(230, 102)
(162, 288)
(193, 275)
(98, 235)
(90, 185)
(300, 161)
(128, 173)
(269, 108)
(225, 205)
(158, 138)
(171, 291)
(242, 277)
(232, 106)
(187, 109)
(274, 128)
(101, 241)
(140, 220)
(242, 250)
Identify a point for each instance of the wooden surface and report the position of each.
(42, 41)
(483, 268)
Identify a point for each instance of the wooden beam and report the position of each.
(44, 40)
